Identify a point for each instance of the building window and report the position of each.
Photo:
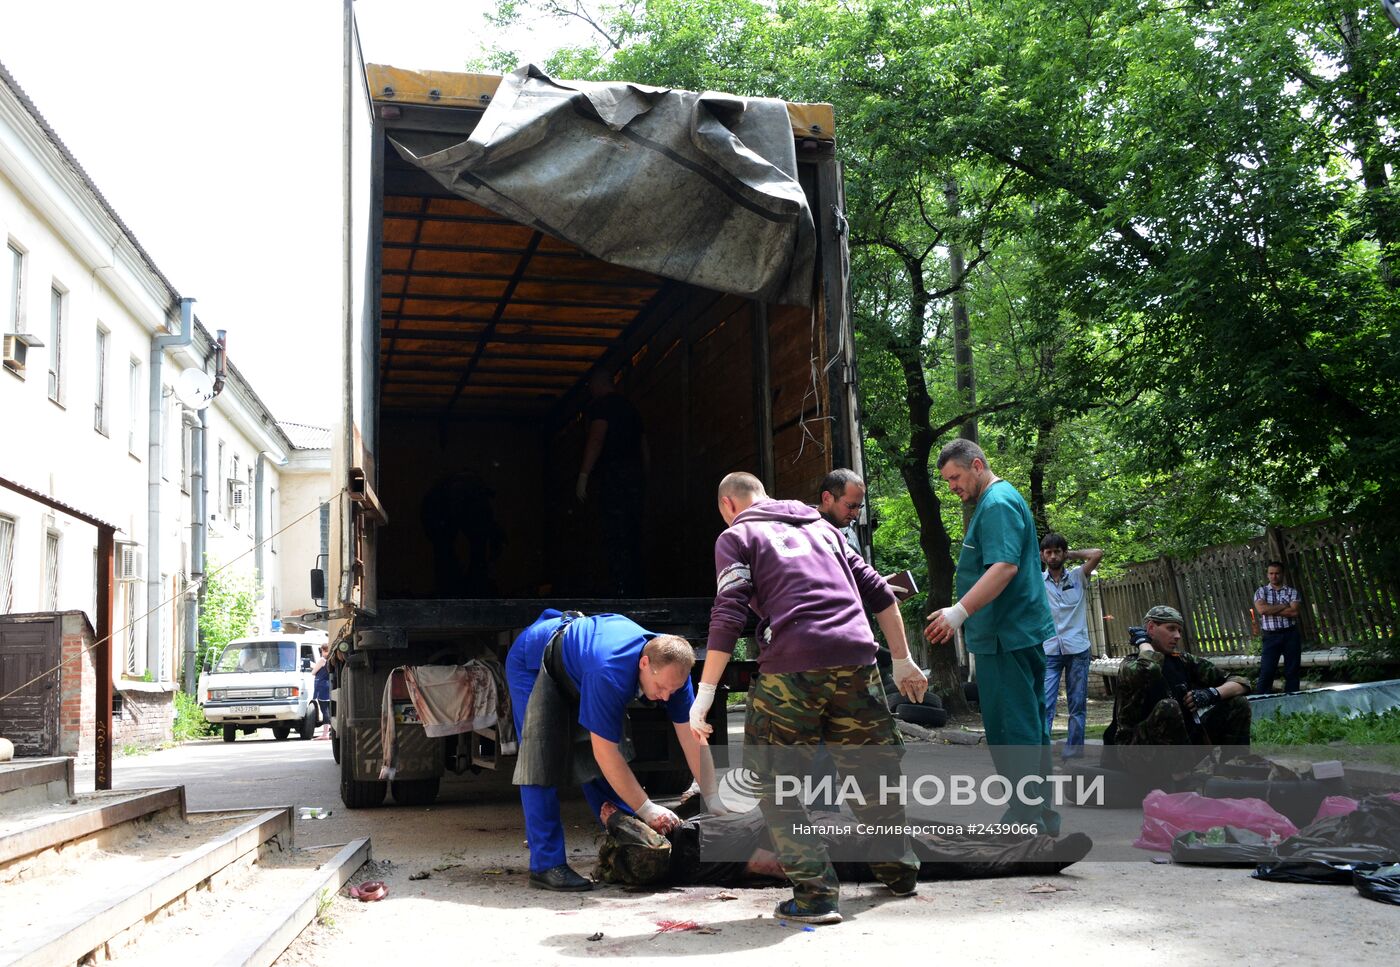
(14, 290)
(167, 454)
(7, 564)
(128, 575)
(56, 300)
(99, 406)
(134, 417)
(234, 509)
(186, 454)
(51, 571)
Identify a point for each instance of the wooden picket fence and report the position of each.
(1348, 597)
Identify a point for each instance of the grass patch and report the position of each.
(1320, 728)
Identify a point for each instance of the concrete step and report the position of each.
(136, 879)
(25, 783)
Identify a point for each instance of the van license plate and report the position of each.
(245, 710)
(405, 713)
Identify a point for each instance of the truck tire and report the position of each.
(415, 792)
(359, 793)
(307, 728)
(230, 733)
(930, 718)
(335, 748)
(281, 732)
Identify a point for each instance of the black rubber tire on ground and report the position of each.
(335, 748)
(230, 733)
(359, 793)
(923, 715)
(307, 728)
(931, 699)
(415, 792)
(281, 732)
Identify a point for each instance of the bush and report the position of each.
(190, 722)
(1320, 728)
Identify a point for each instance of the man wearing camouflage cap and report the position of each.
(1167, 697)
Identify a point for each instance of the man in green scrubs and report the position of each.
(1004, 617)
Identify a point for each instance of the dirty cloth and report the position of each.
(696, 187)
(450, 700)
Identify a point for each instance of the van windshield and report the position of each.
(259, 656)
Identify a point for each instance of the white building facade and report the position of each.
(83, 306)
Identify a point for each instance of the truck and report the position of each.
(507, 236)
(263, 682)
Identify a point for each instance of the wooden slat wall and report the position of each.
(801, 428)
(1347, 597)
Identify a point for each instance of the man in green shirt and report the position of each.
(1004, 617)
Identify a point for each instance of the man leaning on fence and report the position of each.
(1277, 606)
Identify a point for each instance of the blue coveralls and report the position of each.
(608, 648)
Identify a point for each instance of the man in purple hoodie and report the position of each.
(817, 681)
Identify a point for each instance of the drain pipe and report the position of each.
(154, 459)
(258, 511)
(194, 606)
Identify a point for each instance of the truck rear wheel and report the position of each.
(230, 733)
(359, 793)
(280, 732)
(415, 792)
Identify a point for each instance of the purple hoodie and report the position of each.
(808, 588)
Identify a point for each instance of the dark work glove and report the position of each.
(1137, 637)
(1204, 698)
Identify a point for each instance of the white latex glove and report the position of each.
(704, 698)
(955, 616)
(581, 488)
(657, 817)
(911, 681)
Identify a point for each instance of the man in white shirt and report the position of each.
(1067, 651)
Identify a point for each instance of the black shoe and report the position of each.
(906, 884)
(561, 879)
(808, 912)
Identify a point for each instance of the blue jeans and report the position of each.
(1076, 673)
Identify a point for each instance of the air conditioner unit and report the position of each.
(237, 493)
(128, 562)
(16, 349)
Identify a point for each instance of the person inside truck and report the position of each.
(615, 457)
(572, 675)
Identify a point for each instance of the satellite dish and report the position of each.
(194, 388)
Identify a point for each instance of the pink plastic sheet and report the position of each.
(1164, 815)
(1341, 805)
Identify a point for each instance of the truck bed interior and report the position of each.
(488, 333)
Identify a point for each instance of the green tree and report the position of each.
(229, 612)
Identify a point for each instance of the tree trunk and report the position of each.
(1039, 459)
(964, 377)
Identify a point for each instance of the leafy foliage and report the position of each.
(190, 722)
(1320, 728)
(229, 611)
(1182, 236)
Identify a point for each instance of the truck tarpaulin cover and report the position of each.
(697, 187)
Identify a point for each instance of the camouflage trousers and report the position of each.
(834, 724)
(1161, 743)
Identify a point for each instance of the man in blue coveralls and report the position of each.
(568, 669)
